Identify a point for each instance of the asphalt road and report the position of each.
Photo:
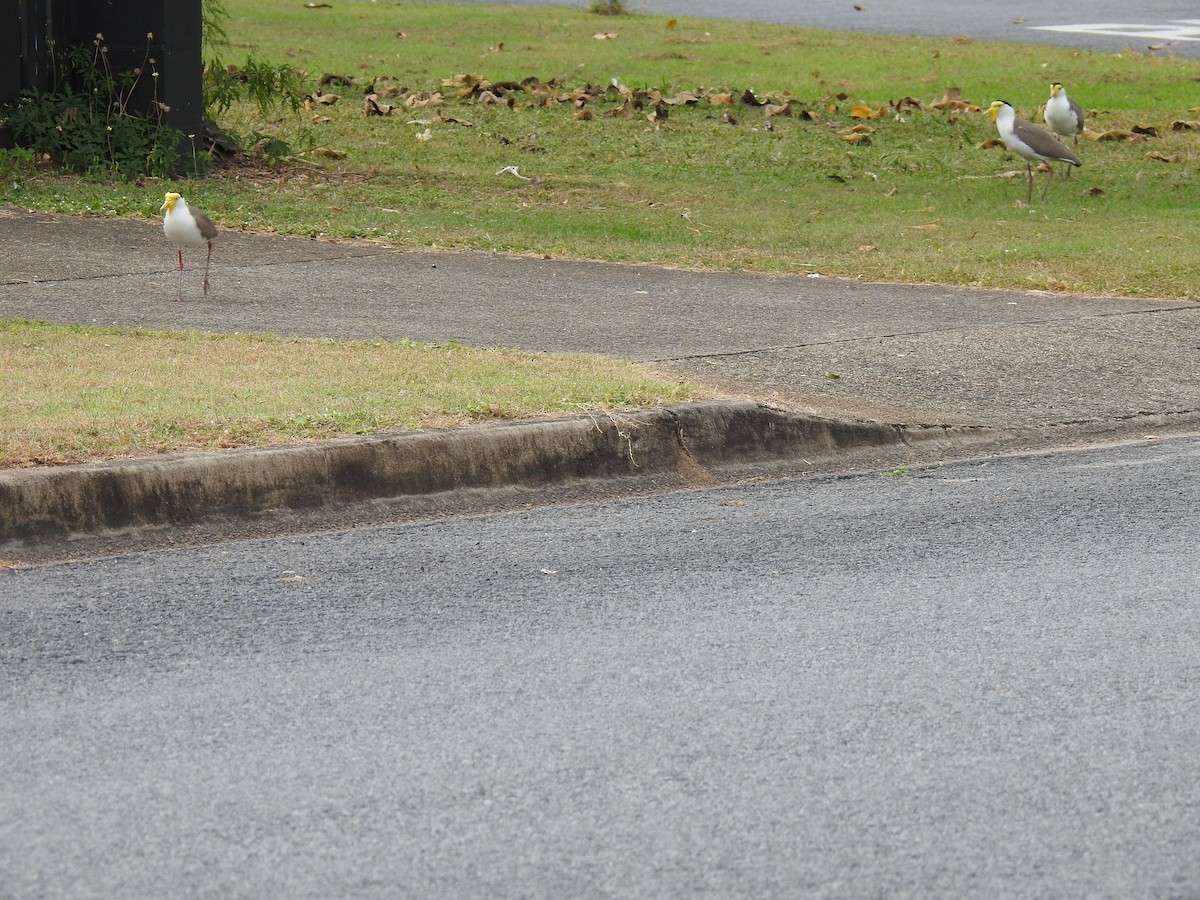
(1171, 25)
(979, 680)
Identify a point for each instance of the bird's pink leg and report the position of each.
(206, 262)
(180, 274)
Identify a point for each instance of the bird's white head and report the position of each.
(994, 109)
(170, 200)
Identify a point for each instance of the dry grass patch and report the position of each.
(79, 394)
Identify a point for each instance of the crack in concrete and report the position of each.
(719, 354)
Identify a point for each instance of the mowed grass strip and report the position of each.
(82, 394)
(909, 196)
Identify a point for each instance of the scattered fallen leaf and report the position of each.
(372, 106)
(1115, 134)
(990, 144)
(865, 248)
(862, 111)
(962, 41)
(425, 135)
(1161, 157)
(327, 153)
(778, 109)
(318, 6)
(671, 23)
(606, 35)
(1094, 192)
(857, 138)
(952, 99)
(323, 99)
(319, 119)
(932, 226)
(1180, 125)
(725, 98)
(749, 99)
(1147, 130)
(624, 111)
(582, 115)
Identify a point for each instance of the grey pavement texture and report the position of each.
(1006, 369)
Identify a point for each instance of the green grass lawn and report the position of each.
(634, 147)
(730, 187)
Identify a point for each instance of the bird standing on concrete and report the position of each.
(1029, 142)
(1063, 115)
(186, 227)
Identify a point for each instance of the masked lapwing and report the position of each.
(187, 228)
(1029, 142)
(1063, 115)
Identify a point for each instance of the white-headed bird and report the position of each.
(1029, 142)
(187, 228)
(1063, 115)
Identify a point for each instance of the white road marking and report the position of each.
(1175, 30)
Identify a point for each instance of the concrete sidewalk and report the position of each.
(873, 364)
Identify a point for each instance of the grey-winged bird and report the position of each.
(1063, 115)
(1029, 142)
(190, 228)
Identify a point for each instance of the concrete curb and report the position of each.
(671, 447)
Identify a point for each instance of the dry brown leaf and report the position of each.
(624, 111)
(1161, 157)
(582, 115)
(932, 226)
(990, 144)
(1147, 130)
(778, 109)
(327, 153)
(323, 99)
(1181, 125)
(671, 23)
(862, 111)
(863, 128)
(372, 106)
(416, 100)
(1114, 135)
(606, 35)
(952, 99)
(962, 41)
(1094, 192)
(723, 99)
(864, 139)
